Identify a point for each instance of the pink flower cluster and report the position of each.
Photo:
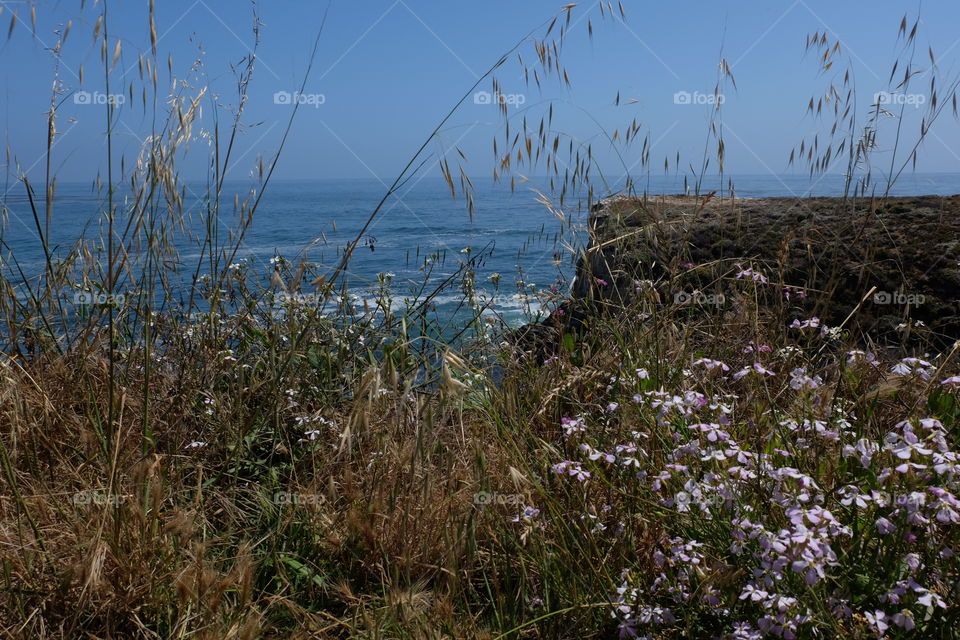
(797, 521)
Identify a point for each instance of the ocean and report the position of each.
(510, 233)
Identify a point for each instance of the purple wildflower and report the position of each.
(812, 323)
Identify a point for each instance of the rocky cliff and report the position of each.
(886, 270)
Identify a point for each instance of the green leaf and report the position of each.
(313, 358)
(943, 405)
(303, 571)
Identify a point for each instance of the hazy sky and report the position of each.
(387, 71)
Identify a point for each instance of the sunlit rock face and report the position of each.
(887, 271)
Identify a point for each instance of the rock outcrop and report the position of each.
(809, 257)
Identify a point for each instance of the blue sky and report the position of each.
(387, 71)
